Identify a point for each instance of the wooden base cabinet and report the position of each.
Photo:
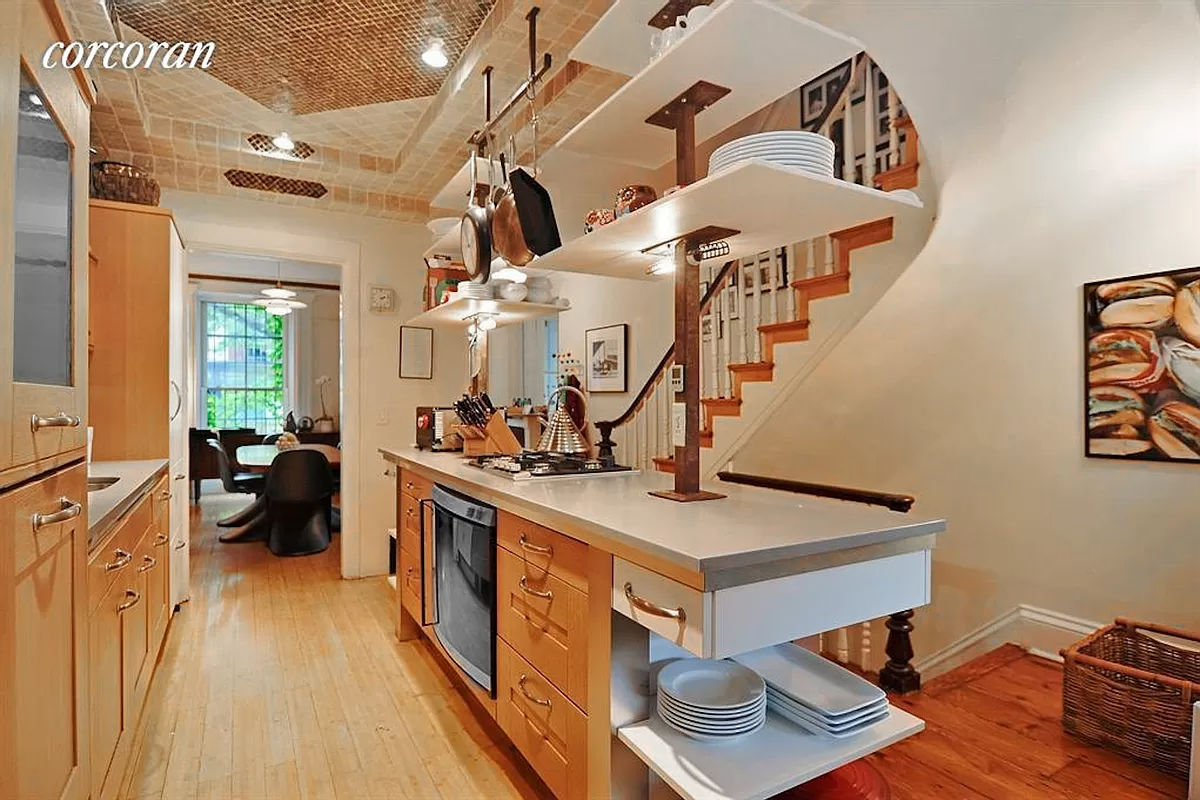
(43, 547)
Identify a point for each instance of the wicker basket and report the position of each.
(112, 180)
(1132, 693)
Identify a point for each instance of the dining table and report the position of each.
(258, 458)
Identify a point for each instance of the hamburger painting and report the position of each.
(1143, 367)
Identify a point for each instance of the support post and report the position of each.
(898, 674)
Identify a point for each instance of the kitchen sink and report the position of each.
(96, 483)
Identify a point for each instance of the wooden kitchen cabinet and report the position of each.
(43, 253)
(154, 562)
(104, 679)
(43, 664)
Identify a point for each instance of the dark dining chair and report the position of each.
(236, 484)
(299, 498)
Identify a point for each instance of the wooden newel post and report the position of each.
(898, 674)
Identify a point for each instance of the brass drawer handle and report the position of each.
(148, 563)
(643, 604)
(538, 700)
(165, 494)
(409, 485)
(546, 550)
(161, 539)
(134, 596)
(67, 510)
(122, 560)
(179, 545)
(60, 420)
(548, 595)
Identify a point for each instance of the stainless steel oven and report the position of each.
(464, 568)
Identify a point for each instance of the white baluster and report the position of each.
(849, 152)
(843, 646)
(893, 134)
(740, 296)
(871, 115)
(810, 267)
(864, 649)
(774, 317)
(726, 339)
(828, 256)
(789, 292)
(756, 308)
(664, 418)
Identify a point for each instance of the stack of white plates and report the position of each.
(803, 150)
(815, 693)
(476, 291)
(710, 700)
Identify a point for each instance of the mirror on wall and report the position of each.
(42, 329)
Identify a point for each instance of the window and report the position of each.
(243, 367)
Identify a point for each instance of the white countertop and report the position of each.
(750, 528)
(105, 506)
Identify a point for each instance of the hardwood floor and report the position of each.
(281, 680)
(993, 730)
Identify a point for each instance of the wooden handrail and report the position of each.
(665, 361)
(896, 502)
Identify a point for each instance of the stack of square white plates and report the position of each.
(803, 150)
(476, 291)
(710, 700)
(815, 693)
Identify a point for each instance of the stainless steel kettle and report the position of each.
(561, 434)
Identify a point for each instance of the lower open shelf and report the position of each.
(777, 757)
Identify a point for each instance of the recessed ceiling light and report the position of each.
(435, 54)
(33, 98)
(284, 142)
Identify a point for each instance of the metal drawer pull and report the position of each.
(525, 588)
(148, 563)
(165, 494)
(408, 485)
(67, 510)
(643, 604)
(535, 548)
(180, 476)
(541, 702)
(134, 596)
(123, 558)
(180, 544)
(161, 539)
(60, 420)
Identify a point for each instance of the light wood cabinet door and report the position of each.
(43, 542)
(43, 250)
(104, 681)
(134, 640)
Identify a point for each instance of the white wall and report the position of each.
(377, 407)
(1064, 138)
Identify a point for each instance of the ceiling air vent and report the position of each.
(274, 183)
(263, 144)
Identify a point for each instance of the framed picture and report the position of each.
(608, 359)
(816, 95)
(1142, 367)
(416, 353)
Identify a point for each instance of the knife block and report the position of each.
(495, 437)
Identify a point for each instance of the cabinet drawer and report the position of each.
(544, 620)
(408, 579)
(105, 565)
(542, 723)
(410, 542)
(415, 486)
(410, 513)
(543, 549)
(743, 618)
(57, 493)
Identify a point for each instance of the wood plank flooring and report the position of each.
(281, 680)
(993, 729)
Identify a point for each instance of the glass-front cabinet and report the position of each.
(43, 335)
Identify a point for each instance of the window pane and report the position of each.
(244, 355)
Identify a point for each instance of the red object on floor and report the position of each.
(857, 780)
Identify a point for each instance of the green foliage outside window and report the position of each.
(243, 367)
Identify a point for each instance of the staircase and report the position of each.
(767, 321)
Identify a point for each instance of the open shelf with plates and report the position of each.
(781, 49)
(777, 757)
(460, 311)
(771, 205)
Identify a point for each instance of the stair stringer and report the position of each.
(873, 270)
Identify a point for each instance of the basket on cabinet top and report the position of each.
(1127, 689)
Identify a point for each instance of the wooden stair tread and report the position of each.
(664, 464)
(784, 327)
(823, 285)
(722, 406)
(751, 366)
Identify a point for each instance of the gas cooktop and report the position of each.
(542, 466)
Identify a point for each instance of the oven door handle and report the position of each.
(428, 572)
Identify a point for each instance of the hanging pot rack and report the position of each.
(527, 90)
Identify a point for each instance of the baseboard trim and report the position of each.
(1040, 631)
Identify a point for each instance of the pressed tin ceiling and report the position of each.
(332, 54)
